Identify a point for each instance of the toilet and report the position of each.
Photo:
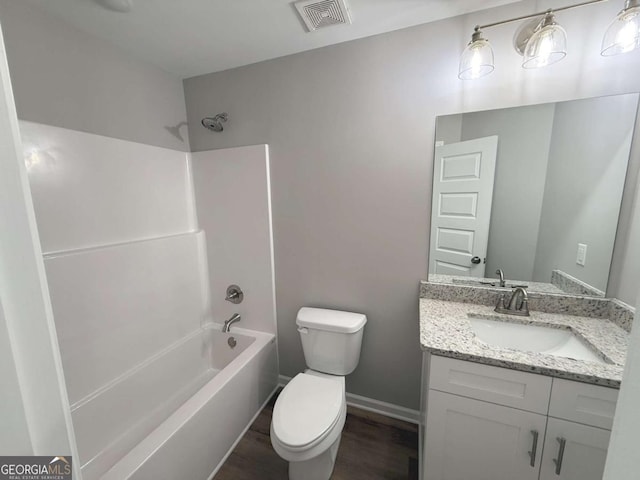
(310, 412)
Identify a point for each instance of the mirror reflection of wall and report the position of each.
(559, 180)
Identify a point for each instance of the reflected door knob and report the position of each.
(475, 260)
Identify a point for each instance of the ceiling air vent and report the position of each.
(324, 13)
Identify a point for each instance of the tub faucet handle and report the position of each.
(234, 294)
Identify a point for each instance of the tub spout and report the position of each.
(227, 325)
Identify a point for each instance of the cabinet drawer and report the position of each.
(583, 403)
(526, 391)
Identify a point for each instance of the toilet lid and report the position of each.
(306, 408)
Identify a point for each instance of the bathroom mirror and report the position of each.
(533, 191)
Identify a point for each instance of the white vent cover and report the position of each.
(323, 13)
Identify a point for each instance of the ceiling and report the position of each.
(193, 37)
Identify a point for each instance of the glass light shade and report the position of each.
(623, 35)
(547, 45)
(476, 60)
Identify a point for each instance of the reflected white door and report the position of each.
(462, 195)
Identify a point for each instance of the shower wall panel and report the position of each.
(89, 190)
(233, 201)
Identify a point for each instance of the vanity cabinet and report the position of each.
(475, 440)
(491, 423)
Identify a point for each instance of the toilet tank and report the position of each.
(331, 339)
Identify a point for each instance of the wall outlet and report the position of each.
(581, 258)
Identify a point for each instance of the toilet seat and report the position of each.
(308, 415)
(307, 408)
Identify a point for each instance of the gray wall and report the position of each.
(351, 133)
(625, 269)
(624, 277)
(584, 186)
(524, 135)
(449, 129)
(64, 77)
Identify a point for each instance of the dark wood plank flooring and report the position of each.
(372, 447)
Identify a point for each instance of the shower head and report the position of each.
(215, 123)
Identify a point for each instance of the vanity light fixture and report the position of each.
(623, 35)
(543, 41)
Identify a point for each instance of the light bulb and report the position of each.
(626, 38)
(476, 64)
(544, 52)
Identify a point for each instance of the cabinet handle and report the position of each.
(534, 448)
(558, 461)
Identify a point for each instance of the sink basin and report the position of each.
(532, 338)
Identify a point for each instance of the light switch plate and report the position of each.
(581, 258)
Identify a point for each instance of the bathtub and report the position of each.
(196, 437)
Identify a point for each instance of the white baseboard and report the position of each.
(384, 408)
(375, 406)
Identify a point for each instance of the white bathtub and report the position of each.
(195, 439)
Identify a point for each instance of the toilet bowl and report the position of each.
(310, 412)
(307, 423)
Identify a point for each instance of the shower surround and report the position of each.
(136, 287)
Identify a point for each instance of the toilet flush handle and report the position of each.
(304, 330)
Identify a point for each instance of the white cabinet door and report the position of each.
(583, 455)
(462, 194)
(468, 439)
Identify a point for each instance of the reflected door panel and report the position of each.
(463, 190)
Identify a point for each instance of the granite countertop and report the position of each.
(535, 287)
(445, 330)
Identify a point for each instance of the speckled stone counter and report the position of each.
(561, 283)
(610, 308)
(445, 330)
(543, 302)
(573, 285)
(532, 287)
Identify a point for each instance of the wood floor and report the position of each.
(372, 447)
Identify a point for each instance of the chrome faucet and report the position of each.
(500, 274)
(227, 325)
(518, 303)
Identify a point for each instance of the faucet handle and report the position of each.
(500, 306)
(234, 294)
